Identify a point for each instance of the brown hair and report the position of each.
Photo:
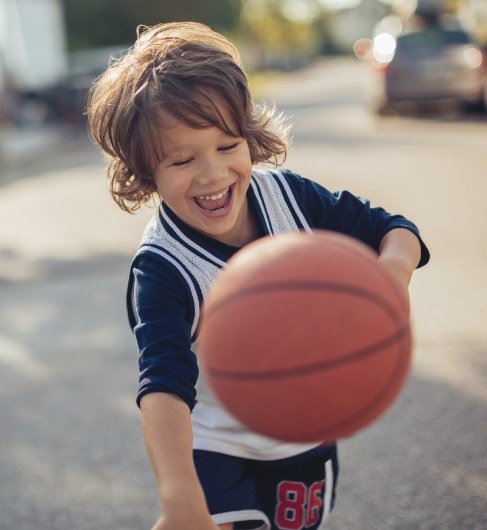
(177, 68)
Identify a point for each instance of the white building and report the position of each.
(32, 43)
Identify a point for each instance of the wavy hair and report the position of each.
(180, 69)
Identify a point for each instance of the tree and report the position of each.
(96, 23)
(282, 33)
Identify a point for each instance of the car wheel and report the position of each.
(380, 106)
(479, 106)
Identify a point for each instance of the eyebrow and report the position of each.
(175, 151)
(178, 150)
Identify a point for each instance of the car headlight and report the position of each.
(473, 57)
(383, 48)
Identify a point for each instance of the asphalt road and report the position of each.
(71, 451)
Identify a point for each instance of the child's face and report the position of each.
(204, 178)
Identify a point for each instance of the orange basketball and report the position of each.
(305, 337)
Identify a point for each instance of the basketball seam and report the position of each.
(366, 261)
(384, 393)
(301, 371)
(304, 285)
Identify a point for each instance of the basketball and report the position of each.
(305, 337)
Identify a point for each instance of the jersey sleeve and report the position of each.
(344, 212)
(159, 314)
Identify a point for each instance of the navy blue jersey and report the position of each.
(176, 266)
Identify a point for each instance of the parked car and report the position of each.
(429, 65)
(67, 99)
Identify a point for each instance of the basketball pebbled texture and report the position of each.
(305, 337)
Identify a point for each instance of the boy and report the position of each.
(176, 119)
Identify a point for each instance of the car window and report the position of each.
(431, 40)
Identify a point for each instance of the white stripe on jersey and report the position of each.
(192, 244)
(257, 194)
(189, 281)
(292, 200)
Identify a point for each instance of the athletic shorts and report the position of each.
(294, 493)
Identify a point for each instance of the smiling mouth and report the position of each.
(215, 201)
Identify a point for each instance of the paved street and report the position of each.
(71, 450)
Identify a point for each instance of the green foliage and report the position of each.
(283, 33)
(267, 32)
(96, 23)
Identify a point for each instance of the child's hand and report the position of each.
(166, 421)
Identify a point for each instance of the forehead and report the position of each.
(201, 110)
(178, 138)
(176, 129)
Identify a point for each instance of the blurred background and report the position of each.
(386, 98)
(51, 50)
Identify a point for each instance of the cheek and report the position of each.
(244, 162)
(172, 194)
(168, 188)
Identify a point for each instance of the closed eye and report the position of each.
(228, 147)
(179, 163)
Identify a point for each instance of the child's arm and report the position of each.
(400, 252)
(166, 424)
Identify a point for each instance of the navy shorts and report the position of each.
(294, 493)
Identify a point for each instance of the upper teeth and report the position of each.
(213, 197)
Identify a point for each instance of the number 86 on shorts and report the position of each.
(299, 506)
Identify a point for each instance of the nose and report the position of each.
(212, 169)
